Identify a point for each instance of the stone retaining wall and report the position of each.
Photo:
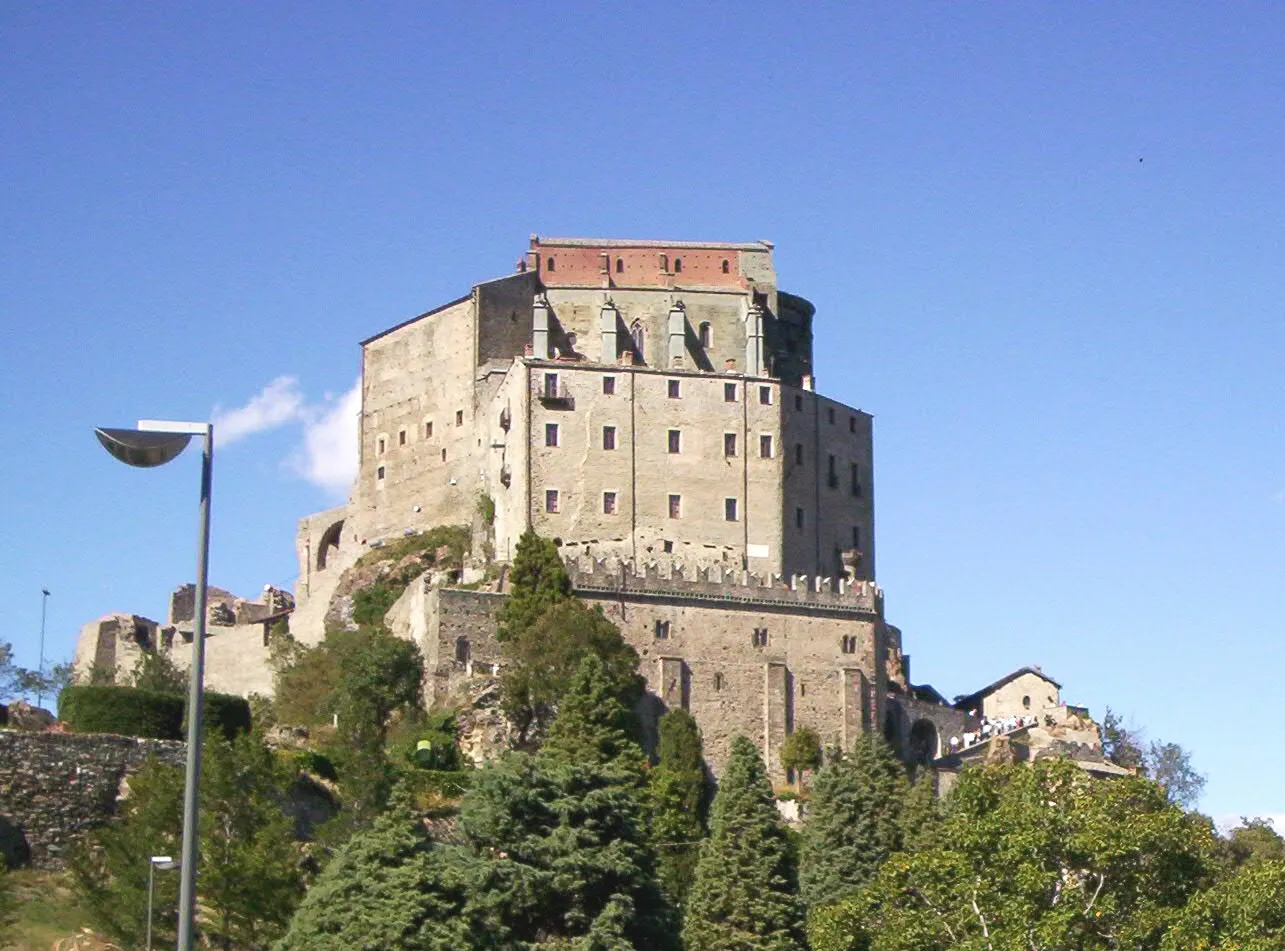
(54, 787)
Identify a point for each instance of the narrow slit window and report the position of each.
(765, 446)
(675, 440)
(678, 265)
(856, 479)
(620, 265)
(379, 474)
(729, 510)
(550, 264)
(727, 267)
(608, 437)
(729, 444)
(798, 517)
(401, 437)
(675, 508)
(550, 434)
(798, 453)
(706, 334)
(459, 417)
(428, 429)
(662, 630)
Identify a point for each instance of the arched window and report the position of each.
(620, 265)
(329, 543)
(706, 334)
(727, 267)
(550, 264)
(678, 265)
(640, 340)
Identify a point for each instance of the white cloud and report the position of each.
(278, 403)
(328, 456)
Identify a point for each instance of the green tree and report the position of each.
(388, 888)
(10, 673)
(919, 823)
(593, 725)
(1038, 856)
(538, 581)
(249, 880)
(745, 896)
(1243, 913)
(1170, 766)
(677, 794)
(853, 821)
(801, 753)
(1121, 744)
(155, 671)
(1252, 842)
(545, 655)
(378, 675)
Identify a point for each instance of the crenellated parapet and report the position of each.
(654, 579)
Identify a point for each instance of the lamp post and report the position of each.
(40, 671)
(154, 443)
(165, 864)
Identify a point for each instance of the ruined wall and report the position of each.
(114, 643)
(54, 787)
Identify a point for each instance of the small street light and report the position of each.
(165, 864)
(40, 671)
(154, 443)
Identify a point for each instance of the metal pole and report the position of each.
(195, 714)
(40, 681)
(151, 877)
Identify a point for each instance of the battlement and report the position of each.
(716, 583)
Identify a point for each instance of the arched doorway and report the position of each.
(329, 543)
(923, 742)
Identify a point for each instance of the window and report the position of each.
(729, 392)
(608, 385)
(830, 414)
(662, 630)
(462, 650)
(379, 474)
(765, 446)
(798, 402)
(401, 437)
(856, 537)
(798, 453)
(609, 503)
(551, 384)
(759, 638)
(620, 265)
(608, 437)
(798, 517)
(852, 424)
(675, 440)
(675, 510)
(765, 395)
(675, 389)
(718, 680)
(551, 501)
(729, 510)
(549, 264)
(380, 445)
(1026, 702)
(639, 338)
(459, 417)
(706, 335)
(678, 265)
(664, 263)
(848, 644)
(729, 444)
(856, 479)
(668, 546)
(428, 429)
(550, 434)
(727, 267)
(443, 455)
(832, 473)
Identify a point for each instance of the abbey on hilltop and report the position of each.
(651, 406)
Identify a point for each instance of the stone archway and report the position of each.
(329, 543)
(924, 742)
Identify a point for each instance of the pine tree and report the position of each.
(852, 821)
(920, 817)
(539, 581)
(745, 896)
(676, 797)
(593, 725)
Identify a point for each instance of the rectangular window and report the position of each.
(849, 644)
(675, 440)
(798, 517)
(852, 424)
(551, 384)
(765, 446)
(759, 638)
(428, 429)
(443, 455)
(550, 434)
(830, 415)
(459, 417)
(379, 474)
(675, 389)
(551, 501)
(832, 473)
(856, 537)
(675, 506)
(662, 630)
(729, 392)
(856, 479)
(608, 385)
(765, 395)
(668, 546)
(729, 509)
(729, 444)
(609, 503)
(798, 402)
(380, 445)
(401, 437)
(798, 453)
(608, 437)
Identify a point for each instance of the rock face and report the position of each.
(54, 787)
(23, 716)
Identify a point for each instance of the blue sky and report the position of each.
(1043, 241)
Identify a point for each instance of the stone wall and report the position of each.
(54, 787)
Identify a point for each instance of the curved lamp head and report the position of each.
(142, 449)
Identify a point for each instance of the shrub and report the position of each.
(227, 713)
(102, 708)
(319, 764)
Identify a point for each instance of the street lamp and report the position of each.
(154, 443)
(165, 864)
(40, 671)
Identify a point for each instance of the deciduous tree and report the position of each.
(801, 753)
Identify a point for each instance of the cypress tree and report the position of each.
(593, 725)
(676, 797)
(539, 581)
(745, 895)
(852, 821)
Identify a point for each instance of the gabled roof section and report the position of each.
(972, 698)
(407, 323)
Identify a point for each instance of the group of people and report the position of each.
(988, 728)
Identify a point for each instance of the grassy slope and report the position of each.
(47, 911)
